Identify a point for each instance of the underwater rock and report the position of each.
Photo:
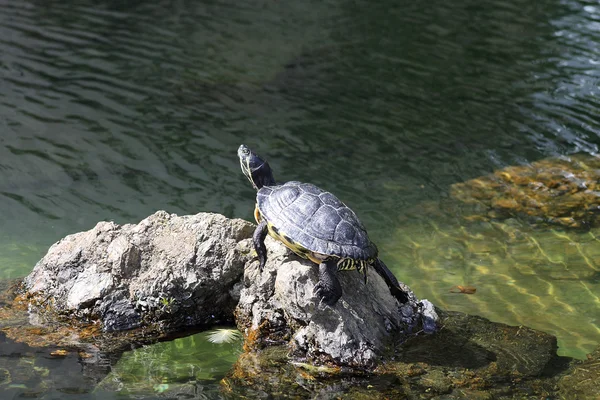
(469, 358)
(559, 191)
(174, 271)
(583, 380)
(279, 306)
(30, 372)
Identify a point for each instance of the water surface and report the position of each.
(112, 110)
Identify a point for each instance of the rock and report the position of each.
(29, 372)
(558, 191)
(475, 343)
(583, 380)
(278, 306)
(468, 358)
(178, 272)
(172, 270)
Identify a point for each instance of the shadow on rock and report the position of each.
(279, 306)
(466, 341)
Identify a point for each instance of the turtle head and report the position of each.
(255, 168)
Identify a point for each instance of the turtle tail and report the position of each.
(391, 281)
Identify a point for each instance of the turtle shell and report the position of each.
(316, 220)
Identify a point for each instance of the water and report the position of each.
(111, 110)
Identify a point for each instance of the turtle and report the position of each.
(315, 225)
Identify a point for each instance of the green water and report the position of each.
(184, 367)
(112, 110)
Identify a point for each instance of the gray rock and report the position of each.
(278, 306)
(172, 270)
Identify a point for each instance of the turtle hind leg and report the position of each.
(391, 281)
(258, 238)
(328, 288)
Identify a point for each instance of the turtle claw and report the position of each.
(328, 297)
(328, 288)
(318, 290)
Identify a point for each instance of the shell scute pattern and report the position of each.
(323, 223)
(331, 200)
(349, 216)
(345, 233)
(286, 197)
(308, 188)
(315, 220)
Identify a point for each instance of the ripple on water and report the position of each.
(111, 110)
(541, 277)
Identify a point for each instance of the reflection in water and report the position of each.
(181, 368)
(112, 110)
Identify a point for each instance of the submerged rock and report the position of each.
(279, 306)
(469, 358)
(168, 270)
(583, 380)
(559, 191)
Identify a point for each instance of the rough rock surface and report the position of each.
(558, 191)
(583, 379)
(173, 270)
(279, 306)
(468, 358)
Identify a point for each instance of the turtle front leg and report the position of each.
(328, 288)
(258, 238)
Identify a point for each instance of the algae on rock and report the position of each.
(561, 191)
